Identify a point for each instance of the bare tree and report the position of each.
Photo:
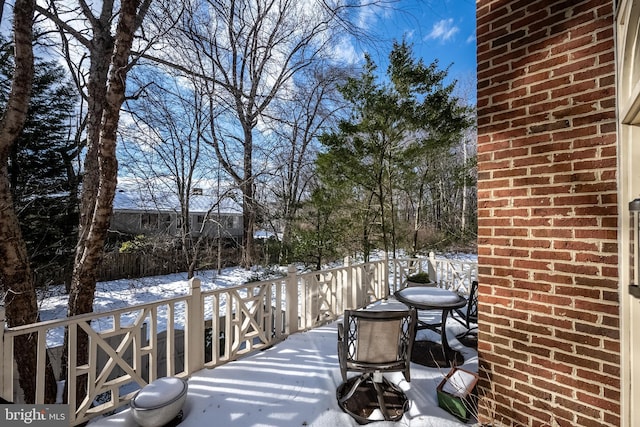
(247, 53)
(165, 150)
(295, 124)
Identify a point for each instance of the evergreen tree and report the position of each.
(321, 232)
(395, 130)
(42, 169)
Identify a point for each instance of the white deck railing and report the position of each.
(130, 347)
(455, 275)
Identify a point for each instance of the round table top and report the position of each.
(428, 298)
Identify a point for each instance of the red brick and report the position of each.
(572, 381)
(575, 245)
(596, 307)
(552, 321)
(588, 176)
(586, 316)
(552, 386)
(530, 244)
(552, 278)
(551, 343)
(550, 232)
(528, 306)
(549, 69)
(575, 338)
(597, 234)
(576, 268)
(576, 360)
(575, 199)
(578, 291)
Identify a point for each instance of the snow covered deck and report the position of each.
(294, 383)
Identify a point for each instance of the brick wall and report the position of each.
(547, 213)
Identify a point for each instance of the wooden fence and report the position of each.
(117, 265)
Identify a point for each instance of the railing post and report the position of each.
(3, 360)
(360, 277)
(354, 284)
(393, 272)
(350, 291)
(385, 276)
(7, 362)
(432, 268)
(292, 322)
(194, 347)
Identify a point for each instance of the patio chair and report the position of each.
(373, 342)
(467, 316)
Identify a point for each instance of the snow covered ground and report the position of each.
(294, 384)
(291, 384)
(124, 293)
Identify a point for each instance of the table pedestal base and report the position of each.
(468, 340)
(431, 354)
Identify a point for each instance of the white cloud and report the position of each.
(344, 51)
(443, 30)
(409, 34)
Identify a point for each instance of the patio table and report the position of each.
(428, 298)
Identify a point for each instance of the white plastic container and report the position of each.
(159, 402)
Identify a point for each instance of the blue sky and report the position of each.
(439, 29)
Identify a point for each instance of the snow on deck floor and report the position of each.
(294, 383)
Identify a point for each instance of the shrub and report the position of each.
(421, 277)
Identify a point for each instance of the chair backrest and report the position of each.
(472, 305)
(377, 340)
(374, 340)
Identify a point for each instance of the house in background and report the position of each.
(137, 211)
(558, 139)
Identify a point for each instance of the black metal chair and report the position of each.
(373, 342)
(467, 316)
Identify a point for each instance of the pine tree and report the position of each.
(396, 127)
(42, 173)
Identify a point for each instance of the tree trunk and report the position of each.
(463, 215)
(417, 218)
(381, 201)
(285, 242)
(88, 256)
(20, 297)
(248, 200)
(15, 271)
(101, 169)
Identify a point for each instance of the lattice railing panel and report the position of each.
(455, 275)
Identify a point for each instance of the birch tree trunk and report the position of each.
(106, 96)
(15, 271)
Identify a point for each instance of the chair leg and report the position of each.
(407, 371)
(384, 390)
(381, 402)
(362, 378)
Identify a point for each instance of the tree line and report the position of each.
(249, 98)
